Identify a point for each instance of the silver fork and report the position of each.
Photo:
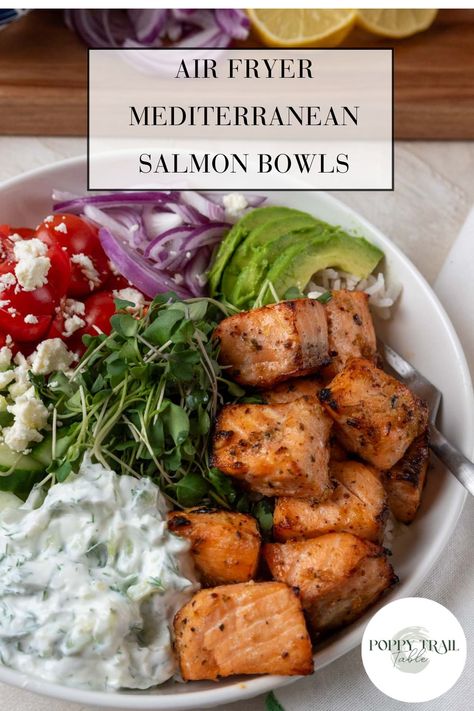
(457, 463)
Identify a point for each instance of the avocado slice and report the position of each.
(237, 234)
(338, 250)
(260, 258)
(247, 253)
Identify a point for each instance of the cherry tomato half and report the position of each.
(25, 232)
(59, 274)
(35, 306)
(99, 309)
(78, 237)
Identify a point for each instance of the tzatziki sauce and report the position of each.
(90, 580)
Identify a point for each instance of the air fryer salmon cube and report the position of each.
(338, 575)
(292, 390)
(276, 450)
(376, 416)
(274, 343)
(351, 331)
(248, 628)
(225, 545)
(357, 505)
(405, 481)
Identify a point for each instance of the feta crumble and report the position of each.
(33, 266)
(51, 355)
(72, 312)
(133, 295)
(234, 204)
(30, 318)
(61, 228)
(5, 357)
(87, 268)
(30, 416)
(7, 280)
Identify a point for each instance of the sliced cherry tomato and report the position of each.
(100, 308)
(59, 274)
(80, 239)
(25, 232)
(115, 282)
(36, 306)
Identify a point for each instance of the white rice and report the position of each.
(382, 296)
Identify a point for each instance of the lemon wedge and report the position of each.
(301, 27)
(395, 23)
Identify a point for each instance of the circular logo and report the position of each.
(414, 649)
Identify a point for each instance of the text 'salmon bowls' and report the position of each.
(419, 330)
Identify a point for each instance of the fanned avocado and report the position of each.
(251, 251)
(259, 259)
(237, 234)
(297, 264)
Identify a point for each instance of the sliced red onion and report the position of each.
(121, 199)
(148, 24)
(158, 27)
(156, 221)
(136, 268)
(195, 276)
(206, 207)
(157, 240)
(233, 23)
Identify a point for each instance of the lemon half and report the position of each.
(302, 28)
(395, 23)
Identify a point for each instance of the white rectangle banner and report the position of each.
(240, 119)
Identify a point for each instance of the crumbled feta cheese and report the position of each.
(71, 307)
(133, 295)
(4, 303)
(33, 266)
(30, 416)
(6, 378)
(5, 357)
(8, 339)
(48, 219)
(31, 318)
(113, 269)
(72, 312)
(178, 278)
(12, 311)
(72, 324)
(234, 204)
(87, 268)
(30, 248)
(50, 355)
(15, 237)
(61, 228)
(7, 280)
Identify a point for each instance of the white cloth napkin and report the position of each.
(344, 685)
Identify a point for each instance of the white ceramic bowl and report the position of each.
(420, 330)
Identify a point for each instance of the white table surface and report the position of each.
(434, 191)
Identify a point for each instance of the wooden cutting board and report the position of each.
(43, 81)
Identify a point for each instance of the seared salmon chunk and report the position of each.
(357, 505)
(274, 343)
(376, 416)
(225, 545)
(338, 575)
(276, 450)
(405, 481)
(351, 331)
(292, 390)
(248, 628)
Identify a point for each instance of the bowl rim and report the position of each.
(241, 690)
